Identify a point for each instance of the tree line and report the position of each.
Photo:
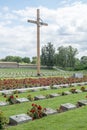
(62, 57)
(19, 59)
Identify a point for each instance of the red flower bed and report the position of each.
(30, 82)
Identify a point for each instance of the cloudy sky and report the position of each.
(67, 25)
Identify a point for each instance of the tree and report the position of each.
(84, 61)
(26, 60)
(13, 59)
(17, 59)
(47, 55)
(66, 56)
(9, 58)
(78, 65)
(34, 60)
(61, 57)
(71, 56)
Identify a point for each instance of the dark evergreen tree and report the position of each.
(47, 55)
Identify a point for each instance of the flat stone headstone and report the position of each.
(73, 84)
(46, 88)
(4, 103)
(67, 93)
(85, 90)
(20, 100)
(49, 111)
(65, 85)
(82, 102)
(78, 75)
(34, 90)
(21, 91)
(54, 95)
(67, 106)
(78, 91)
(39, 97)
(56, 87)
(18, 119)
(85, 83)
(7, 92)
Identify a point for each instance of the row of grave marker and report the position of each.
(21, 118)
(27, 74)
(41, 97)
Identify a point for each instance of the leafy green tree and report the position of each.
(62, 56)
(17, 59)
(66, 56)
(71, 52)
(84, 61)
(13, 59)
(34, 60)
(9, 58)
(47, 55)
(26, 60)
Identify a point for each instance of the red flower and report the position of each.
(39, 107)
(33, 104)
(11, 96)
(33, 111)
(45, 109)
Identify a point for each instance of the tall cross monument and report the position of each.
(38, 22)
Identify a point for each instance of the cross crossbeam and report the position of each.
(38, 23)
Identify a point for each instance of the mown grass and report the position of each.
(71, 120)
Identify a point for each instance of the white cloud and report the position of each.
(66, 26)
(5, 9)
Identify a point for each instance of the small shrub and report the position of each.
(47, 96)
(3, 121)
(11, 99)
(83, 88)
(73, 90)
(60, 109)
(30, 97)
(36, 111)
(62, 93)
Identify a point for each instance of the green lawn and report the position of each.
(71, 120)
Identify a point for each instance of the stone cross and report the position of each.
(38, 22)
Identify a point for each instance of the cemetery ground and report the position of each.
(75, 119)
(70, 120)
(30, 72)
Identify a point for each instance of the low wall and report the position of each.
(18, 65)
(27, 66)
(9, 65)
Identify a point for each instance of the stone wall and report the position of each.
(9, 65)
(27, 66)
(18, 65)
